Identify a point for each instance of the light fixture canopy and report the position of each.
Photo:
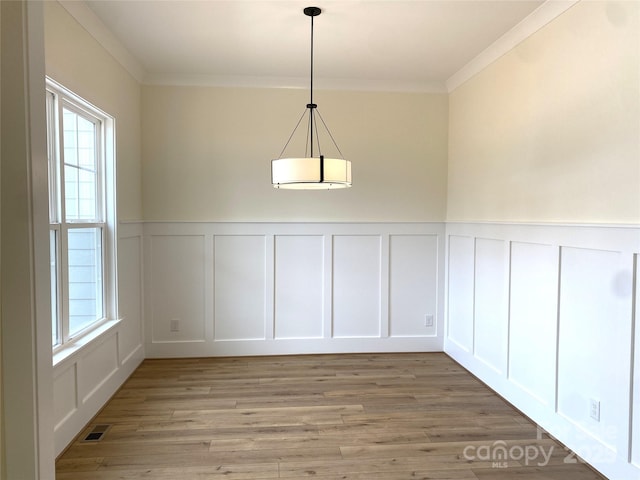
(311, 172)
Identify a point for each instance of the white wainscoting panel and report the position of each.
(285, 288)
(413, 284)
(177, 279)
(89, 372)
(460, 291)
(491, 303)
(533, 319)
(356, 286)
(240, 287)
(96, 366)
(130, 295)
(65, 393)
(554, 304)
(595, 291)
(299, 286)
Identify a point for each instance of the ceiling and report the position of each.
(389, 44)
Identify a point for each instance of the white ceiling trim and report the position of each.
(540, 17)
(98, 30)
(319, 83)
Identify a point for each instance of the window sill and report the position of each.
(73, 349)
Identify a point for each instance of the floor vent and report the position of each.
(96, 433)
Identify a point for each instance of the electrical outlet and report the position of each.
(428, 320)
(594, 409)
(174, 325)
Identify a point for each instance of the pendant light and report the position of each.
(311, 173)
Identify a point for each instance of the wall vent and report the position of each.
(96, 433)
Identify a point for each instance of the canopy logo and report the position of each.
(499, 454)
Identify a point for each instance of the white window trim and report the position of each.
(108, 207)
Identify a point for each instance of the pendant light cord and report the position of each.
(312, 108)
(292, 133)
(311, 105)
(330, 135)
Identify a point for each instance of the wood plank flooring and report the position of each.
(355, 417)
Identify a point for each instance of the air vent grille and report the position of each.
(96, 433)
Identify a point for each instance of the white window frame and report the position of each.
(58, 97)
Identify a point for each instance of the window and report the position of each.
(81, 215)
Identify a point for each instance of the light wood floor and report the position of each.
(373, 417)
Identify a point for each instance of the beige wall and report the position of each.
(207, 152)
(551, 131)
(77, 61)
(548, 133)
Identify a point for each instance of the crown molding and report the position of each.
(98, 30)
(349, 84)
(540, 17)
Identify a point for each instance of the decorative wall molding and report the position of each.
(546, 13)
(92, 24)
(216, 289)
(545, 315)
